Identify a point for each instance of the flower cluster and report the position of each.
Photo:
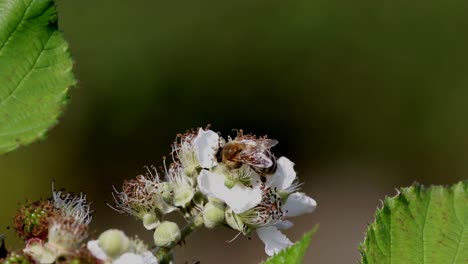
(213, 182)
(237, 183)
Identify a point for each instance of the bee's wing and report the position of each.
(269, 143)
(256, 159)
(260, 144)
(255, 152)
(260, 160)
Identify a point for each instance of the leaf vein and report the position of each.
(28, 72)
(16, 27)
(459, 240)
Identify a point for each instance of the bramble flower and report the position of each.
(263, 206)
(145, 198)
(114, 247)
(65, 233)
(181, 185)
(194, 150)
(67, 228)
(280, 200)
(211, 182)
(238, 197)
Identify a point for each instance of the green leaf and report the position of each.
(420, 225)
(295, 253)
(35, 71)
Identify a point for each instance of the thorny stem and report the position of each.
(164, 254)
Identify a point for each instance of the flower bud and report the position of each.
(183, 195)
(167, 192)
(234, 221)
(166, 234)
(213, 214)
(114, 243)
(150, 221)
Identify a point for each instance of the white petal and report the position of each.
(298, 204)
(96, 251)
(274, 240)
(149, 258)
(239, 198)
(206, 143)
(283, 225)
(129, 258)
(284, 175)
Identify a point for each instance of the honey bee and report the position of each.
(251, 151)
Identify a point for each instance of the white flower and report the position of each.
(193, 150)
(270, 214)
(181, 185)
(67, 229)
(143, 198)
(296, 204)
(239, 198)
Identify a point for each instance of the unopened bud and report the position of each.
(114, 243)
(166, 234)
(167, 192)
(150, 221)
(183, 195)
(234, 221)
(213, 214)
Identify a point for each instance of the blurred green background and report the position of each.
(363, 96)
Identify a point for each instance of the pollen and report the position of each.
(268, 211)
(137, 195)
